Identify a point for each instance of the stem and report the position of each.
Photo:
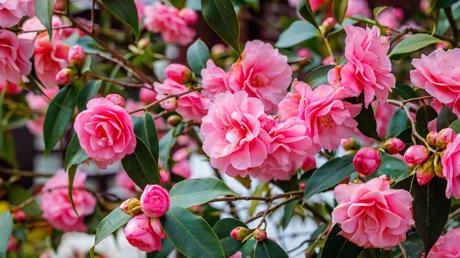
(120, 83)
(453, 23)
(328, 47)
(257, 198)
(23, 173)
(267, 212)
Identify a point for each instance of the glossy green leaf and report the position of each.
(71, 172)
(445, 118)
(366, 123)
(318, 75)
(221, 17)
(405, 183)
(288, 213)
(329, 175)
(125, 11)
(393, 167)
(456, 126)
(339, 7)
(44, 12)
(307, 13)
(58, 116)
(192, 192)
(298, 32)
(87, 93)
(167, 142)
(398, 123)
(337, 246)
(145, 129)
(74, 154)
(222, 228)
(405, 91)
(191, 234)
(6, 228)
(411, 44)
(424, 115)
(197, 56)
(269, 249)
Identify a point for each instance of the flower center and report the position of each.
(260, 80)
(326, 121)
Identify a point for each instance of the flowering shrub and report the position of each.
(343, 116)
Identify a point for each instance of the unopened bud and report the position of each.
(438, 165)
(327, 25)
(367, 160)
(19, 216)
(239, 233)
(64, 76)
(178, 73)
(132, 206)
(425, 172)
(416, 154)
(259, 234)
(116, 99)
(174, 120)
(393, 146)
(169, 104)
(76, 55)
(350, 144)
(445, 136)
(218, 50)
(143, 43)
(431, 138)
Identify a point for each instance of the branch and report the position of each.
(453, 24)
(120, 83)
(272, 209)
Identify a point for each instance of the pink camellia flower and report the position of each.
(105, 131)
(416, 154)
(56, 205)
(155, 201)
(15, 61)
(262, 72)
(182, 166)
(141, 232)
(50, 57)
(358, 7)
(12, 11)
(447, 245)
(233, 133)
(391, 17)
(436, 74)
(10, 89)
(123, 181)
(76, 55)
(369, 68)
(451, 169)
(177, 72)
(366, 161)
(328, 118)
(168, 21)
(214, 79)
(373, 215)
(383, 114)
(147, 94)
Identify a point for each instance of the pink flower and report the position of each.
(447, 245)
(12, 11)
(182, 168)
(358, 7)
(368, 69)
(328, 118)
(233, 133)
(262, 72)
(170, 22)
(14, 61)
(315, 4)
(147, 95)
(416, 154)
(309, 163)
(64, 76)
(155, 201)
(394, 146)
(105, 131)
(123, 181)
(10, 89)
(140, 9)
(391, 17)
(142, 233)
(366, 161)
(215, 80)
(76, 55)
(383, 114)
(56, 205)
(49, 59)
(373, 215)
(451, 169)
(177, 72)
(444, 137)
(437, 74)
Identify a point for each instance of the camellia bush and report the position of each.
(344, 115)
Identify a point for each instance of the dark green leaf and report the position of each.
(221, 17)
(431, 210)
(55, 238)
(197, 56)
(456, 126)
(398, 123)
(318, 75)
(191, 234)
(288, 213)
(72, 171)
(269, 249)
(87, 93)
(6, 228)
(223, 228)
(405, 91)
(58, 116)
(125, 11)
(111, 223)
(411, 44)
(329, 175)
(393, 167)
(424, 115)
(44, 12)
(192, 192)
(445, 118)
(307, 13)
(298, 32)
(74, 154)
(366, 123)
(17, 195)
(337, 246)
(405, 183)
(166, 250)
(339, 8)
(439, 4)
(145, 129)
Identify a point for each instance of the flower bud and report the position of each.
(19, 216)
(143, 43)
(179, 73)
(259, 234)
(445, 136)
(327, 25)
(437, 165)
(140, 233)
(425, 172)
(350, 144)
(239, 233)
(309, 163)
(131, 206)
(169, 104)
(165, 176)
(174, 120)
(393, 146)
(157, 227)
(304, 53)
(116, 99)
(64, 76)
(218, 50)
(190, 17)
(155, 201)
(416, 154)
(302, 186)
(76, 55)
(367, 160)
(431, 138)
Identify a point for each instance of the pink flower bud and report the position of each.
(116, 99)
(179, 73)
(165, 176)
(189, 16)
(155, 201)
(169, 104)
(367, 160)
(132, 206)
(19, 216)
(76, 55)
(349, 144)
(416, 154)
(302, 186)
(218, 50)
(157, 228)
(12, 244)
(147, 96)
(259, 234)
(394, 146)
(304, 53)
(174, 120)
(425, 172)
(431, 138)
(140, 234)
(64, 76)
(445, 136)
(239, 233)
(309, 163)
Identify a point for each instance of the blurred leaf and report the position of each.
(192, 192)
(404, 91)
(318, 75)
(178, 3)
(439, 4)
(298, 32)
(8, 147)
(44, 12)
(6, 228)
(411, 44)
(445, 118)
(125, 11)
(378, 10)
(405, 183)
(398, 123)
(393, 167)
(191, 234)
(223, 228)
(339, 7)
(366, 123)
(269, 249)
(456, 126)
(88, 92)
(17, 195)
(307, 13)
(424, 115)
(71, 172)
(288, 213)
(74, 154)
(166, 250)
(145, 129)
(56, 236)
(338, 246)
(221, 17)
(197, 56)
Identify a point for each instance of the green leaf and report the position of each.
(269, 249)
(405, 183)
(221, 17)
(307, 13)
(405, 91)
(297, 32)
(439, 4)
(424, 115)
(44, 12)
(141, 166)
(456, 126)
(337, 246)
(431, 210)
(192, 192)
(222, 228)
(178, 3)
(318, 75)
(445, 118)
(398, 123)
(111, 223)
(72, 171)
(58, 116)
(411, 44)
(393, 167)
(17, 195)
(329, 175)
(288, 213)
(366, 123)
(87, 93)
(167, 142)
(145, 129)
(191, 234)
(6, 228)
(339, 7)
(125, 11)
(74, 154)
(197, 56)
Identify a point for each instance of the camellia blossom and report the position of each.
(154, 201)
(12, 11)
(147, 95)
(262, 72)
(373, 215)
(358, 7)
(391, 17)
(451, 168)
(328, 118)
(214, 80)
(369, 68)
(105, 131)
(437, 73)
(56, 205)
(233, 133)
(447, 245)
(16, 53)
(172, 23)
(144, 233)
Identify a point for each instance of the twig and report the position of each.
(403, 250)
(453, 23)
(257, 198)
(121, 83)
(272, 209)
(23, 173)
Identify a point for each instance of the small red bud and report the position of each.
(259, 234)
(431, 138)
(174, 120)
(239, 233)
(64, 76)
(367, 160)
(445, 136)
(416, 155)
(131, 206)
(394, 146)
